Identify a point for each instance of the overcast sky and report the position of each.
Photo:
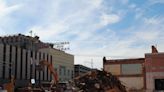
(94, 28)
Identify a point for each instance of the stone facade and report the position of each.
(15, 61)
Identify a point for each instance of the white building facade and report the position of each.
(63, 63)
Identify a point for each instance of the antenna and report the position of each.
(31, 33)
(92, 63)
(62, 45)
(156, 45)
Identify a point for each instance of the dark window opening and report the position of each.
(51, 59)
(39, 55)
(21, 63)
(159, 84)
(11, 64)
(39, 71)
(35, 65)
(35, 55)
(31, 54)
(26, 64)
(43, 55)
(16, 54)
(44, 67)
(47, 67)
(51, 64)
(4, 63)
(31, 68)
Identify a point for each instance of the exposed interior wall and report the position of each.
(130, 69)
(114, 69)
(133, 82)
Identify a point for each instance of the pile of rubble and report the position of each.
(99, 81)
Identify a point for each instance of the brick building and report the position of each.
(140, 73)
(154, 64)
(129, 71)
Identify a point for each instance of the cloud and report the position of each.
(87, 25)
(153, 20)
(134, 45)
(4, 9)
(152, 2)
(5, 18)
(132, 6)
(147, 35)
(109, 19)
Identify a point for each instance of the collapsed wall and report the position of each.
(99, 81)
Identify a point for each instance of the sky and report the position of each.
(94, 28)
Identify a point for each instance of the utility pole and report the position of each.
(92, 63)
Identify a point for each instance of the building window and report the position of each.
(31, 54)
(39, 55)
(26, 56)
(21, 62)
(159, 84)
(16, 54)
(4, 61)
(35, 55)
(64, 69)
(72, 74)
(35, 63)
(47, 67)
(68, 72)
(60, 71)
(44, 67)
(39, 71)
(51, 59)
(10, 61)
(128, 69)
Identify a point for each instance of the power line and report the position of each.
(92, 55)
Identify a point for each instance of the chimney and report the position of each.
(154, 49)
(104, 59)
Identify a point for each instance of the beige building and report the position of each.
(63, 63)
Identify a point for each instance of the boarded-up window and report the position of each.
(128, 69)
(114, 69)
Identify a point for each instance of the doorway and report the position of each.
(159, 84)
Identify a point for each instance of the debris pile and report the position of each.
(99, 81)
